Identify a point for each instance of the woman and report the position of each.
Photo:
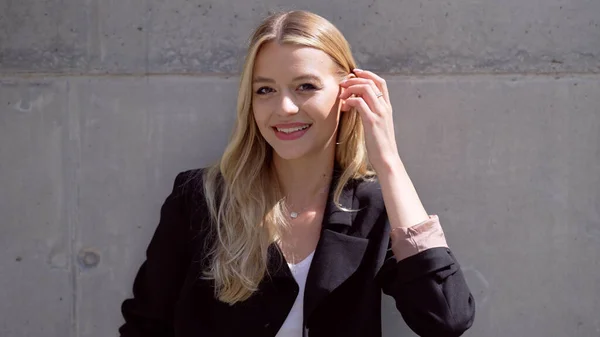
(306, 218)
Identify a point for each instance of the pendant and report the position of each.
(293, 215)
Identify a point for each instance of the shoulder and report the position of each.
(367, 193)
(188, 184)
(188, 191)
(188, 204)
(188, 179)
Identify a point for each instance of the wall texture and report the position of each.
(497, 110)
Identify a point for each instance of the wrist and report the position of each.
(390, 167)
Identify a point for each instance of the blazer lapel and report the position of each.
(338, 255)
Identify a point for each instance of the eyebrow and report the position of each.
(299, 78)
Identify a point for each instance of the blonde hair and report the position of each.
(241, 191)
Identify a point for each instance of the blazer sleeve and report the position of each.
(429, 289)
(160, 277)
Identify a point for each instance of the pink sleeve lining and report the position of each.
(408, 241)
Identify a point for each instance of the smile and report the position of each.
(291, 130)
(291, 133)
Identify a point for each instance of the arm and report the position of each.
(157, 283)
(420, 272)
(427, 283)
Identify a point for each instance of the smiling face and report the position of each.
(295, 99)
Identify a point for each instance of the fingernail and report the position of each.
(356, 69)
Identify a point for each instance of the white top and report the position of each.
(292, 327)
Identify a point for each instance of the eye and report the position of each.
(263, 90)
(307, 87)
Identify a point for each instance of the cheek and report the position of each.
(323, 105)
(258, 111)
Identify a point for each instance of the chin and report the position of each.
(289, 154)
(289, 151)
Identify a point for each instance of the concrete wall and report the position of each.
(497, 105)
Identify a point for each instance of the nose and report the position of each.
(288, 106)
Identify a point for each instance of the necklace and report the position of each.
(296, 214)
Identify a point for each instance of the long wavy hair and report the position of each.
(242, 192)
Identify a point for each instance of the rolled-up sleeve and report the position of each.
(409, 241)
(425, 280)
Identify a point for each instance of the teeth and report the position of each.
(290, 130)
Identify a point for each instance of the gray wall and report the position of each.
(497, 110)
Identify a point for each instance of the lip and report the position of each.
(290, 136)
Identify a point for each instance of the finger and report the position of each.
(376, 89)
(355, 81)
(365, 112)
(368, 94)
(379, 81)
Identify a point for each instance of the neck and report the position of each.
(302, 179)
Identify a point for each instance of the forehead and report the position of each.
(280, 61)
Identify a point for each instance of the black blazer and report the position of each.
(351, 266)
